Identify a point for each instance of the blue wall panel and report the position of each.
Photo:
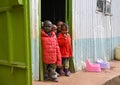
(93, 49)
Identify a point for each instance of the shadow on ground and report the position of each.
(113, 81)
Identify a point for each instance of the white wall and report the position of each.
(34, 38)
(92, 33)
(116, 18)
(87, 23)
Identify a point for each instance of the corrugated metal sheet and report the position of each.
(115, 20)
(34, 38)
(92, 33)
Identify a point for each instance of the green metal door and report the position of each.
(68, 14)
(15, 55)
(68, 20)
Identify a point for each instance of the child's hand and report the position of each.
(65, 35)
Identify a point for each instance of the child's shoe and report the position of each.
(58, 74)
(67, 72)
(60, 71)
(46, 77)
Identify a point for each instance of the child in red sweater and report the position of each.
(50, 51)
(64, 41)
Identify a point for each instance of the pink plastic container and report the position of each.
(92, 67)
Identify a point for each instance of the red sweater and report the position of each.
(65, 45)
(50, 49)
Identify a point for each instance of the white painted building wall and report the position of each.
(93, 32)
(34, 17)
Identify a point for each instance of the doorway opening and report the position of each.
(53, 10)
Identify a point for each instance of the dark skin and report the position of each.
(54, 28)
(47, 26)
(59, 26)
(64, 31)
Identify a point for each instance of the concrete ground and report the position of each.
(87, 78)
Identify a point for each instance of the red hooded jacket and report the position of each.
(65, 45)
(50, 49)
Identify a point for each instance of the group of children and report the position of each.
(56, 49)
